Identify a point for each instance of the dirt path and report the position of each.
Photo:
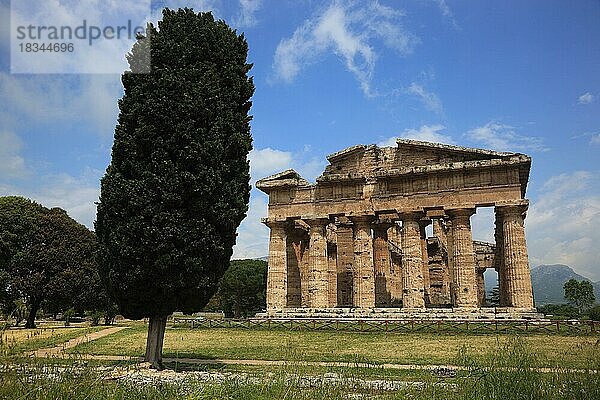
(417, 367)
(58, 350)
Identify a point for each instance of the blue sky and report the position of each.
(510, 75)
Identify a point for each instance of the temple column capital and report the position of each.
(415, 216)
(460, 213)
(510, 210)
(316, 222)
(362, 220)
(277, 225)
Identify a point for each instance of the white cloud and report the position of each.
(446, 12)
(426, 133)
(267, 161)
(586, 98)
(504, 138)
(104, 56)
(76, 195)
(247, 15)
(253, 236)
(12, 164)
(348, 30)
(430, 100)
(595, 139)
(482, 224)
(58, 98)
(562, 225)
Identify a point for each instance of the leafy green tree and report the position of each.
(594, 313)
(559, 310)
(580, 294)
(177, 186)
(242, 290)
(49, 258)
(494, 299)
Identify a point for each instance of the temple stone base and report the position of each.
(483, 313)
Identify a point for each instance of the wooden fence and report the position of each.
(400, 326)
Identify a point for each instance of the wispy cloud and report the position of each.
(595, 139)
(504, 137)
(349, 30)
(76, 195)
(562, 225)
(426, 133)
(58, 98)
(267, 161)
(430, 100)
(12, 164)
(446, 12)
(586, 98)
(246, 17)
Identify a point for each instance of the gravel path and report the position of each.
(58, 350)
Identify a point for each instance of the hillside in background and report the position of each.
(548, 281)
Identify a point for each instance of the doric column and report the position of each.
(463, 258)
(332, 266)
(381, 263)
(480, 286)
(345, 259)
(412, 262)
(318, 284)
(395, 281)
(450, 250)
(277, 268)
(426, 281)
(499, 259)
(363, 271)
(517, 282)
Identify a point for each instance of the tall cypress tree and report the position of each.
(177, 186)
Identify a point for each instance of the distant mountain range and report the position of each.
(548, 281)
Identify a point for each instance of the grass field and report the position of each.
(405, 348)
(15, 341)
(494, 367)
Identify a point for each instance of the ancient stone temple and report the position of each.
(359, 239)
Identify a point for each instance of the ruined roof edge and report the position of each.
(450, 147)
(346, 151)
(289, 177)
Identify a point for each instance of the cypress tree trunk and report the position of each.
(30, 324)
(154, 343)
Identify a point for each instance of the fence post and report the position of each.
(526, 325)
(386, 326)
(557, 326)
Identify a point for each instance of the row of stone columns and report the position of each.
(371, 253)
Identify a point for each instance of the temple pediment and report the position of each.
(287, 178)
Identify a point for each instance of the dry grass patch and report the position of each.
(407, 348)
(17, 340)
